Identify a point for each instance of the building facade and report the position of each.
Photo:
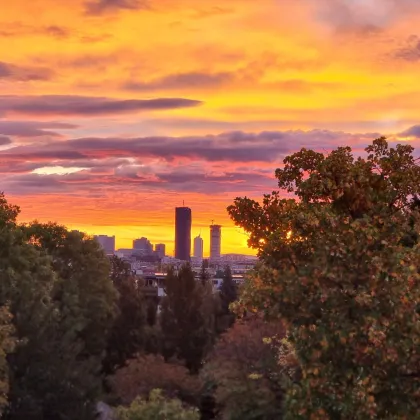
(107, 243)
(160, 250)
(215, 241)
(143, 246)
(198, 247)
(183, 221)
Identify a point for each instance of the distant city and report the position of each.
(146, 258)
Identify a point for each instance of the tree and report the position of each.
(128, 333)
(26, 284)
(335, 266)
(243, 368)
(145, 373)
(85, 287)
(62, 327)
(120, 270)
(204, 275)
(157, 408)
(228, 295)
(186, 325)
(7, 346)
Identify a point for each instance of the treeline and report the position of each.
(77, 327)
(327, 326)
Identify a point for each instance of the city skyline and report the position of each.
(197, 245)
(113, 113)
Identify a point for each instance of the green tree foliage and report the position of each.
(57, 285)
(26, 284)
(204, 275)
(145, 373)
(187, 324)
(243, 368)
(340, 266)
(228, 295)
(7, 346)
(128, 333)
(85, 292)
(157, 408)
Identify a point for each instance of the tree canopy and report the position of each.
(61, 299)
(157, 408)
(243, 369)
(187, 318)
(340, 266)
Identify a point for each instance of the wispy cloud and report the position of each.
(410, 51)
(413, 131)
(67, 105)
(32, 129)
(237, 146)
(24, 74)
(5, 141)
(98, 7)
(190, 81)
(365, 16)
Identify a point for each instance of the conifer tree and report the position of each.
(228, 295)
(186, 325)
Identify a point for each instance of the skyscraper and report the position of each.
(198, 247)
(215, 241)
(183, 233)
(160, 250)
(107, 243)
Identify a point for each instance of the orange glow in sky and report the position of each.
(113, 112)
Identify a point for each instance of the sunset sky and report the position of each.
(113, 112)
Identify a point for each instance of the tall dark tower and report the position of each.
(183, 233)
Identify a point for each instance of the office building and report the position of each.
(215, 241)
(142, 246)
(198, 247)
(107, 243)
(183, 222)
(160, 250)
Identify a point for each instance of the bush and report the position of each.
(145, 373)
(157, 408)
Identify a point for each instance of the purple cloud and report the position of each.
(57, 31)
(24, 74)
(364, 17)
(68, 105)
(32, 128)
(413, 131)
(171, 180)
(237, 146)
(98, 7)
(4, 141)
(231, 162)
(193, 80)
(410, 52)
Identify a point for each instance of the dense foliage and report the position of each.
(187, 318)
(128, 334)
(228, 295)
(62, 304)
(243, 366)
(7, 345)
(340, 266)
(145, 373)
(157, 408)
